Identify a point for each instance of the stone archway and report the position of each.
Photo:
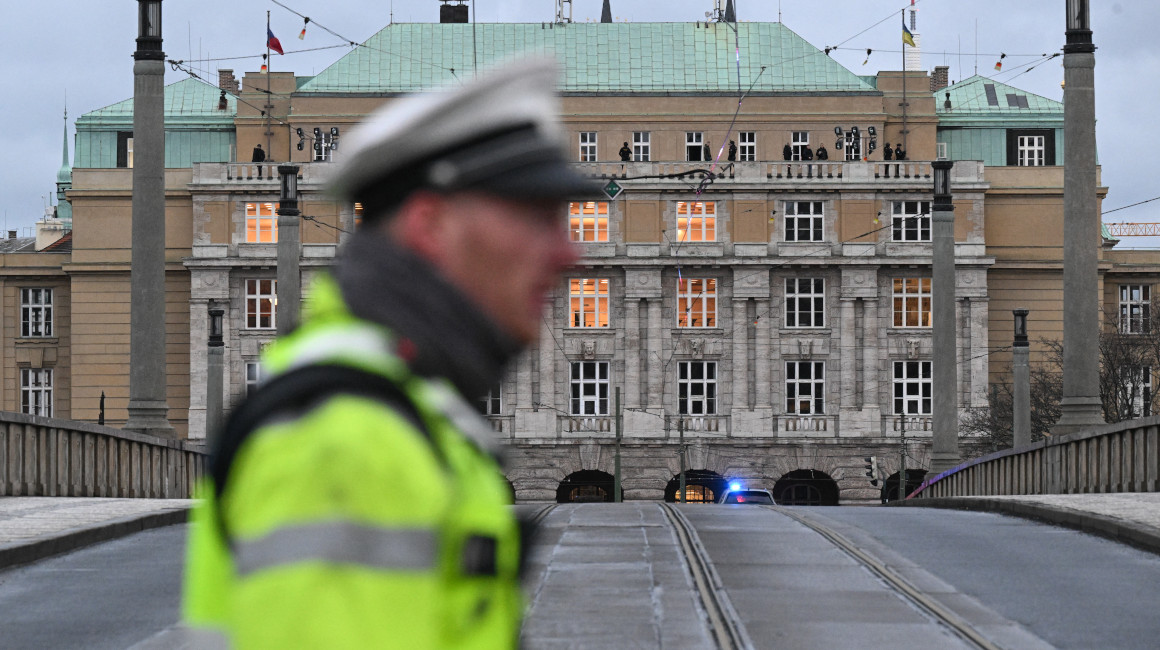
(806, 487)
(914, 478)
(586, 486)
(701, 486)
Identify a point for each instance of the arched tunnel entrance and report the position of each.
(914, 478)
(701, 486)
(806, 487)
(585, 486)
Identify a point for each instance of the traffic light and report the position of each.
(872, 469)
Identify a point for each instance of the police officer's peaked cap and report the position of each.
(498, 134)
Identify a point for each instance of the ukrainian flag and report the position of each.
(907, 37)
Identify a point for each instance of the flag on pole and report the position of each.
(272, 42)
(907, 37)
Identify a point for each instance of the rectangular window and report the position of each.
(641, 149)
(1030, 147)
(694, 146)
(801, 141)
(805, 387)
(912, 386)
(36, 312)
(747, 150)
(323, 146)
(588, 221)
(491, 404)
(910, 221)
(853, 146)
(696, 221)
(697, 387)
(36, 391)
(912, 302)
(804, 221)
(588, 299)
(261, 223)
(1135, 308)
(125, 149)
(696, 302)
(253, 376)
(261, 297)
(587, 146)
(1031, 150)
(589, 388)
(805, 302)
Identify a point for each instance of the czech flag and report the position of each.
(272, 42)
(907, 37)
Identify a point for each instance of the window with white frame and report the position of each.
(912, 388)
(587, 146)
(253, 376)
(910, 221)
(805, 302)
(641, 147)
(35, 312)
(697, 387)
(747, 146)
(804, 221)
(696, 302)
(491, 403)
(800, 140)
(912, 302)
(694, 146)
(805, 387)
(261, 223)
(696, 221)
(1135, 308)
(36, 391)
(588, 221)
(588, 302)
(1032, 150)
(323, 147)
(261, 299)
(589, 388)
(853, 146)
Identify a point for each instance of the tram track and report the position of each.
(726, 626)
(943, 615)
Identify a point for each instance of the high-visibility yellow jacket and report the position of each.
(346, 523)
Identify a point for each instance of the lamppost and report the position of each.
(148, 410)
(289, 277)
(945, 445)
(1080, 407)
(214, 380)
(1021, 371)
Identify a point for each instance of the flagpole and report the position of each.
(904, 129)
(268, 104)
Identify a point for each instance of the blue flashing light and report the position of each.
(735, 485)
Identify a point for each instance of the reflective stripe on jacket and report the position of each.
(350, 527)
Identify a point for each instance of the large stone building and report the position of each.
(762, 312)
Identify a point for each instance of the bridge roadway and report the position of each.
(626, 575)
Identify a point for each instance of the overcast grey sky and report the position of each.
(82, 50)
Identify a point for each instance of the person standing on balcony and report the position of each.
(356, 500)
(259, 154)
(887, 153)
(732, 151)
(787, 152)
(822, 154)
(625, 153)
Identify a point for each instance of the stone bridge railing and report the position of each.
(1123, 457)
(50, 457)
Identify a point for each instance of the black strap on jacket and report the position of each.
(296, 392)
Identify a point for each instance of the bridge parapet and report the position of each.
(1122, 457)
(52, 457)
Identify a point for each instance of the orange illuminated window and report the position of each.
(912, 302)
(696, 221)
(588, 221)
(696, 302)
(261, 223)
(588, 300)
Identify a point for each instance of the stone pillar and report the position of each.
(289, 292)
(945, 443)
(1080, 408)
(1021, 376)
(215, 377)
(656, 366)
(740, 369)
(632, 353)
(871, 365)
(148, 409)
(849, 378)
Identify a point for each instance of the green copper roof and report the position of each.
(596, 57)
(973, 97)
(185, 100)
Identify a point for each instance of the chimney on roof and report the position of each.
(938, 79)
(606, 13)
(227, 81)
(456, 13)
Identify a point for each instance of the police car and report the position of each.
(738, 494)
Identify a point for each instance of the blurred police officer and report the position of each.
(357, 501)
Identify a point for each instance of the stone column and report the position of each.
(871, 366)
(215, 376)
(148, 409)
(1021, 376)
(289, 293)
(632, 352)
(1080, 408)
(849, 376)
(655, 360)
(945, 444)
(740, 369)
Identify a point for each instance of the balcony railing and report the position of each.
(700, 424)
(586, 424)
(894, 172)
(804, 424)
(254, 173)
(917, 424)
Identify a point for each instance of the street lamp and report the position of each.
(1021, 375)
(149, 30)
(945, 443)
(214, 377)
(289, 277)
(942, 181)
